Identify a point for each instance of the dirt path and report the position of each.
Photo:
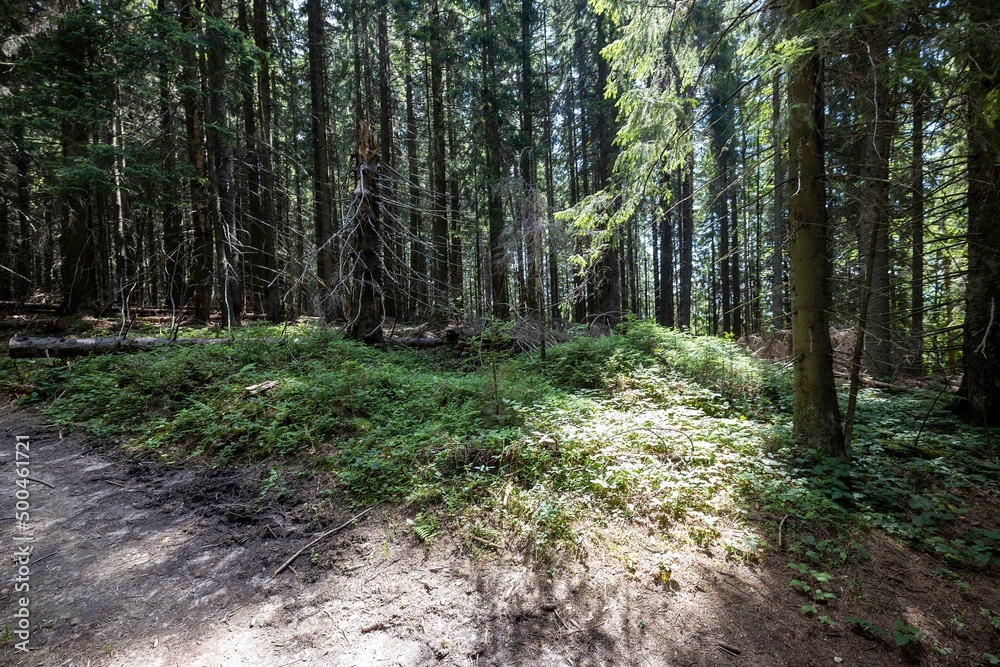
(137, 563)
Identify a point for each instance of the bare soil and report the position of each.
(140, 563)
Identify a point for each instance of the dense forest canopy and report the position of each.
(728, 168)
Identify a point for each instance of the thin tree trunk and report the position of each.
(550, 197)
(608, 275)
(778, 226)
(686, 242)
(859, 343)
(571, 155)
(418, 257)
(722, 199)
(734, 261)
(128, 234)
(528, 159)
(439, 185)
(665, 312)
(917, 234)
(455, 268)
(22, 281)
(173, 268)
(392, 249)
(359, 93)
(875, 213)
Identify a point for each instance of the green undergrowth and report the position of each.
(685, 433)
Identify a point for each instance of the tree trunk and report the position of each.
(262, 291)
(917, 234)
(875, 209)
(354, 9)
(201, 267)
(550, 197)
(79, 267)
(734, 259)
(79, 233)
(455, 269)
(778, 226)
(322, 210)
(722, 199)
(816, 415)
(607, 284)
(439, 185)
(22, 209)
(363, 302)
(981, 353)
(666, 264)
(392, 249)
(528, 159)
(686, 204)
(494, 174)
(173, 266)
(418, 256)
(221, 173)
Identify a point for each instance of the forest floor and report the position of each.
(631, 499)
(137, 562)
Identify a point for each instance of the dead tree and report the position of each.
(35, 348)
(361, 281)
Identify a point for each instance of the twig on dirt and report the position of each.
(564, 624)
(728, 649)
(487, 543)
(781, 525)
(380, 625)
(42, 482)
(39, 560)
(319, 539)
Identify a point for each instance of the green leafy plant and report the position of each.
(906, 634)
(424, 526)
(941, 649)
(814, 592)
(866, 629)
(991, 618)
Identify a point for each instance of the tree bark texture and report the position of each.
(816, 416)
(981, 353)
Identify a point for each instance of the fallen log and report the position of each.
(38, 348)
